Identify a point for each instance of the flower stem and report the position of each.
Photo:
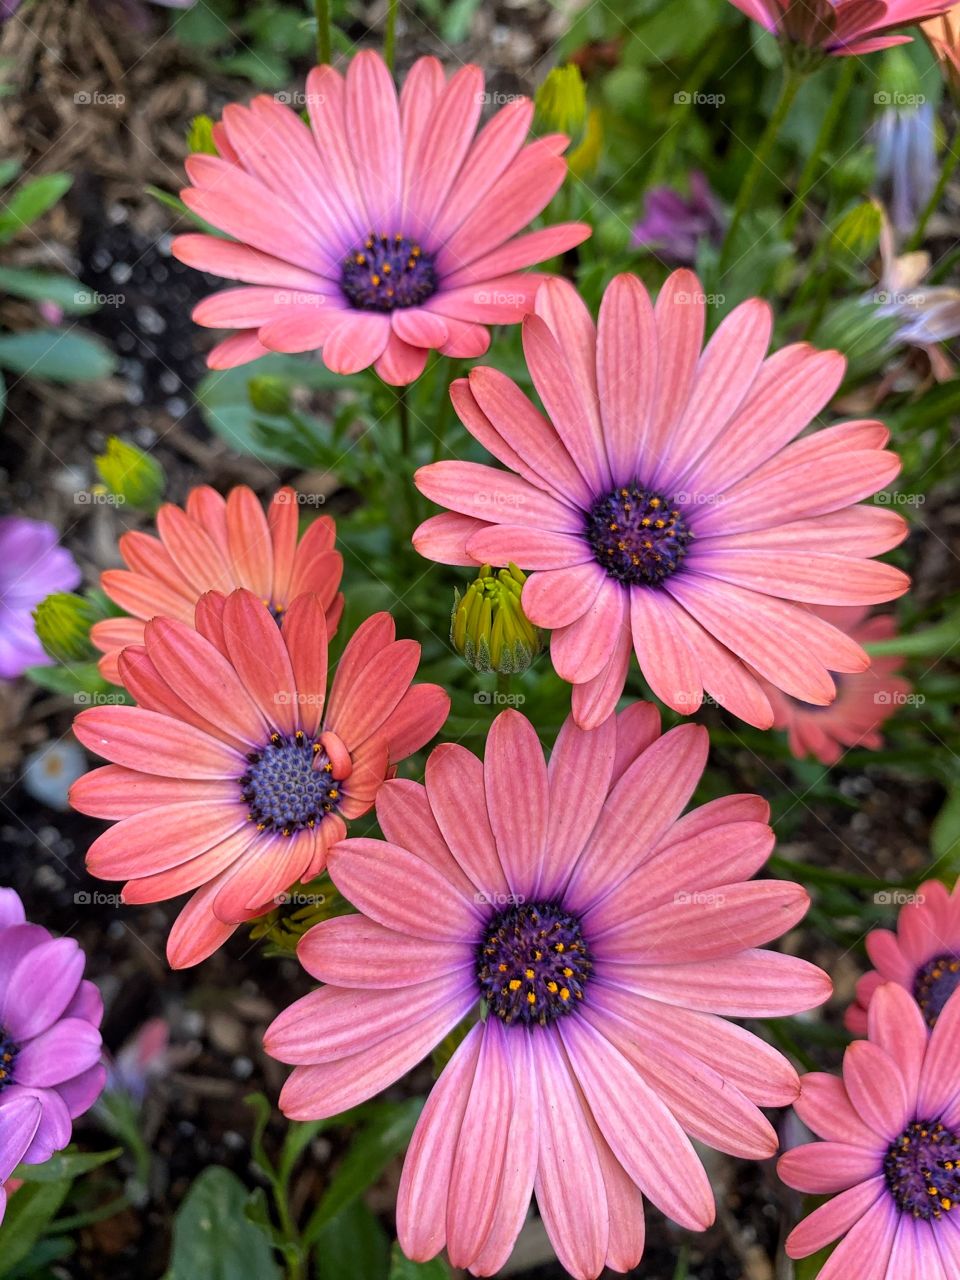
(403, 415)
(390, 35)
(324, 41)
(831, 119)
(950, 163)
(792, 80)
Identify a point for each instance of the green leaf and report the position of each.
(212, 1236)
(67, 1165)
(44, 286)
(386, 1132)
(945, 832)
(352, 1244)
(81, 681)
(176, 204)
(8, 171)
(60, 355)
(401, 1268)
(29, 1212)
(31, 200)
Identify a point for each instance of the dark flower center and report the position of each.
(388, 272)
(8, 1056)
(289, 785)
(922, 1169)
(934, 984)
(533, 963)
(638, 536)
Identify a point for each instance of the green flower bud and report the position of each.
(63, 621)
(584, 159)
(130, 474)
(561, 102)
(200, 137)
(269, 395)
(488, 625)
(857, 233)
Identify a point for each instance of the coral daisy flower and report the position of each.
(382, 231)
(663, 504)
(864, 700)
(218, 545)
(235, 773)
(841, 27)
(49, 1038)
(605, 938)
(892, 1150)
(923, 955)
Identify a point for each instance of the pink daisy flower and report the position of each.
(891, 1155)
(607, 941)
(235, 773)
(384, 230)
(841, 27)
(50, 1045)
(922, 955)
(662, 505)
(218, 545)
(864, 700)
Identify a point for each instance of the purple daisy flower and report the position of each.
(19, 1127)
(32, 565)
(50, 1044)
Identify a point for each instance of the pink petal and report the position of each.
(865, 1249)
(582, 761)
(896, 1025)
(557, 597)
(457, 795)
(529, 548)
(162, 838)
(594, 701)
(444, 538)
(513, 757)
(351, 951)
(807, 576)
(261, 660)
(372, 121)
(680, 318)
(153, 743)
(877, 1089)
(582, 649)
(826, 1167)
(239, 262)
(356, 341)
(404, 814)
(669, 665)
(487, 493)
(432, 172)
(627, 360)
(834, 1218)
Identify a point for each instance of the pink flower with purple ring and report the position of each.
(668, 504)
(890, 1155)
(607, 940)
(387, 228)
(50, 1045)
(922, 954)
(32, 566)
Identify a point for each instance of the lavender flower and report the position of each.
(31, 566)
(906, 160)
(49, 1039)
(673, 225)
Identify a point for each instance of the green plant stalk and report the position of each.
(669, 141)
(830, 121)
(792, 80)
(390, 35)
(324, 39)
(949, 168)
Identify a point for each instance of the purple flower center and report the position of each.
(533, 963)
(8, 1056)
(934, 984)
(388, 272)
(922, 1169)
(289, 785)
(638, 536)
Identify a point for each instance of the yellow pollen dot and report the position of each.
(654, 502)
(552, 988)
(374, 279)
(360, 259)
(333, 793)
(528, 973)
(531, 998)
(558, 947)
(568, 973)
(275, 738)
(564, 993)
(415, 251)
(946, 1203)
(514, 984)
(261, 826)
(387, 268)
(502, 968)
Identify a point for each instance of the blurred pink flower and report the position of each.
(666, 506)
(608, 938)
(864, 699)
(841, 27)
(384, 230)
(890, 1158)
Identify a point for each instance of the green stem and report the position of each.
(950, 163)
(808, 177)
(324, 41)
(792, 80)
(503, 688)
(390, 35)
(403, 417)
